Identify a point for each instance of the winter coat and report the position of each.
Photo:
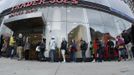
(64, 45)
(42, 45)
(20, 42)
(52, 45)
(73, 47)
(1, 41)
(120, 41)
(12, 41)
(83, 46)
(27, 46)
(126, 37)
(110, 43)
(95, 47)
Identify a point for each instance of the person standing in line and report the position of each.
(73, 49)
(38, 51)
(20, 44)
(99, 50)
(121, 48)
(52, 49)
(129, 50)
(42, 49)
(126, 36)
(110, 45)
(12, 46)
(63, 49)
(6, 46)
(95, 48)
(1, 43)
(27, 48)
(116, 53)
(83, 48)
(91, 50)
(127, 39)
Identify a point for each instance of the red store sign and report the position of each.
(39, 2)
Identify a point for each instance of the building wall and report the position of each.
(116, 4)
(59, 21)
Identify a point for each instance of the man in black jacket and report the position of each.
(42, 49)
(20, 45)
(83, 48)
(110, 45)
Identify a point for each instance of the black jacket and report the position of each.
(1, 41)
(64, 45)
(83, 45)
(20, 42)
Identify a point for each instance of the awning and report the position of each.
(26, 23)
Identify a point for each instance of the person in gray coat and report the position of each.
(27, 48)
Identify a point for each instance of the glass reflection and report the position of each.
(80, 23)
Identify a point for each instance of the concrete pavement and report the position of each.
(14, 67)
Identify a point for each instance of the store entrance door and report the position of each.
(32, 28)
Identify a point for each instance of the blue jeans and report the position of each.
(123, 53)
(52, 55)
(73, 56)
(12, 51)
(83, 55)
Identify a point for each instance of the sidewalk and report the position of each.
(14, 67)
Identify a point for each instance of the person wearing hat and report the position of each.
(52, 45)
(20, 44)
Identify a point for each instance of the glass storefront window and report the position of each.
(56, 14)
(75, 14)
(57, 30)
(76, 31)
(94, 17)
(106, 23)
(65, 22)
(121, 24)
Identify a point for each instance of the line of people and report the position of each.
(99, 49)
(112, 49)
(12, 46)
(20, 48)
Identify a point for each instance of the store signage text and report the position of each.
(22, 12)
(39, 2)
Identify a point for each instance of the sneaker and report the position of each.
(64, 61)
(93, 61)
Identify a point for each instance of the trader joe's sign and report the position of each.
(39, 2)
